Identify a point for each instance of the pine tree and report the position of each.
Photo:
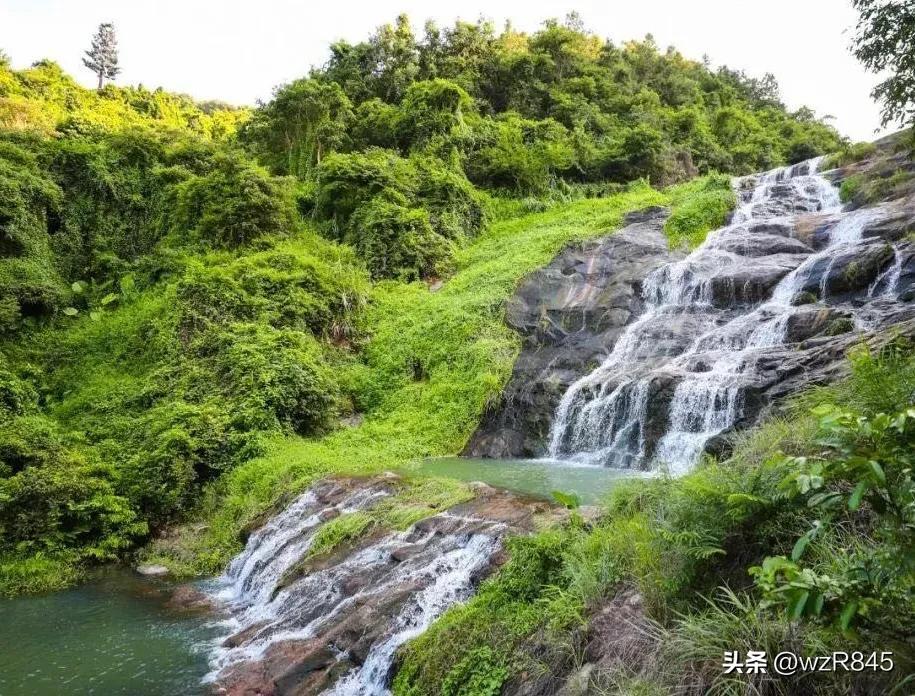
(102, 57)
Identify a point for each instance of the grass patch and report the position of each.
(851, 187)
(417, 499)
(699, 206)
(340, 530)
(36, 574)
(850, 154)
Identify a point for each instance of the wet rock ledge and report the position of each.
(571, 313)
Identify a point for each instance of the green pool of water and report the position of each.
(113, 635)
(535, 477)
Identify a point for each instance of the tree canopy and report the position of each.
(102, 56)
(885, 43)
(512, 114)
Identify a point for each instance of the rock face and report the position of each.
(636, 357)
(305, 626)
(569, 315)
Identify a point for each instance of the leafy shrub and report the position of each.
(397, 241)
(871, 456)
(17, 396)
(304, 122)
(519, 154)
(801, 149)
(304, 283)
(346, 182)
(433, 108)
(850, 154)
(480, 673)
(234, 204)
(29, 282)
(401, 215)
(52, 498)
(275, 376)
(850, 188)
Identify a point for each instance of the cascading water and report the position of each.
(253, 576)
(678, 375)
(415, 575)
(452, 572)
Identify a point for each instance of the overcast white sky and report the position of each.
(239, 50)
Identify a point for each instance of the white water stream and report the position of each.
(431, 566)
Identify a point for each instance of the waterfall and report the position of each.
(419, 573)
(253, 576)
(677, 376)
(887, 283)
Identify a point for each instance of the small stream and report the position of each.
(112, 635)
(116, 634)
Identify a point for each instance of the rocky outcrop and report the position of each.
(569, 315)
(619, 637)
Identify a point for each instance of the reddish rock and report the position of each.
(187, 598)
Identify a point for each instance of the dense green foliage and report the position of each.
(46, 99)
(393, 134)
(185, 312)
(195, 326)
(847, 495)
(162, 308)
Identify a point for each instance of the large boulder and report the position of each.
(749, 281)
(569, 315)
(847, 271)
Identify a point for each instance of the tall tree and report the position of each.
(306, 120)
(102, 56)
(885, 42)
